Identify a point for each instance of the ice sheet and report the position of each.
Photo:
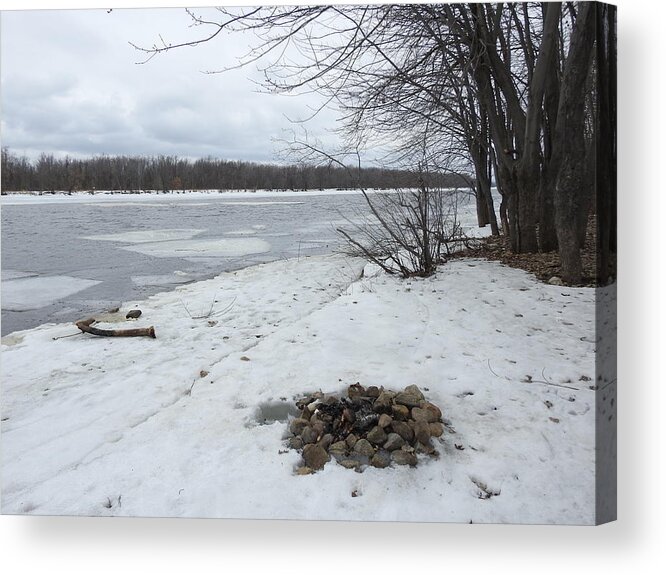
(242, 233)
(141, 236)
(35, 292)
(161, 280)
(260, 203)
(221, 247)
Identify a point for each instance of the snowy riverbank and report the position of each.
(171, 426)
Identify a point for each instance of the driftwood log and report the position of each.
(86, 326)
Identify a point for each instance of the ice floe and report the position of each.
(141, 236)
(220, 247)
(34, 292)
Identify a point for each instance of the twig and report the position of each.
(70, 335)
(189, 391)
(495, 374)
(553, 384)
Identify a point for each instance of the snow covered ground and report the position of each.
(173, 426)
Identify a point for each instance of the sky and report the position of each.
(71, 85)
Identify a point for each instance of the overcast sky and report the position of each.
(70, 85)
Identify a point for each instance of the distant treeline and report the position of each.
(169, 173)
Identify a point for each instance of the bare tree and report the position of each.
(501, 87)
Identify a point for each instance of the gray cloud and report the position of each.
(70, 85)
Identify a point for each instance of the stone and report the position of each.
(296, 442)
(356, 390)
(304, 471)
(422, 431)
(298, 425)
(351, 440)
(338, 447)
(401, 457)
(383, 403)
(393, 442)
(373, 391)
(414, 390)
(418, 413)
(325, 441)
(309, 435)
(400, 412)
(427, 411)
(436, 429)
(350, 463)
(408, 399)
(380, 459)
(315, 456)
(434, 412)
(376, 436)
(555, 281)
(384, 420)
(133, 314)
(312, 406)
(429, 449)
(364, 447)
(320, 429)
(403, 430)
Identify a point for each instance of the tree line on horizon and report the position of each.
(170, 173)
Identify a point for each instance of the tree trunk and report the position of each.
(482, 217)
(567, 209)
(572, 159)
(527, 186)
(605, 138)
(547, 233)
(528, 167)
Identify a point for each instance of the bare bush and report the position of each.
(408, 232)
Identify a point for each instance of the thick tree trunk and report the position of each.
(547, 232)
(570, 144)
(527, 186)
(572, 178)
(605, 136)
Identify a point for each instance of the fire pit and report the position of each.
(369, 426)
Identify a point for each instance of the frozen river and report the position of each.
(66, 257)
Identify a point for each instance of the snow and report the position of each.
(30, 292)
(136, 427)
(159, 199)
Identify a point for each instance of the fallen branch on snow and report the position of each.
(86, 326)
